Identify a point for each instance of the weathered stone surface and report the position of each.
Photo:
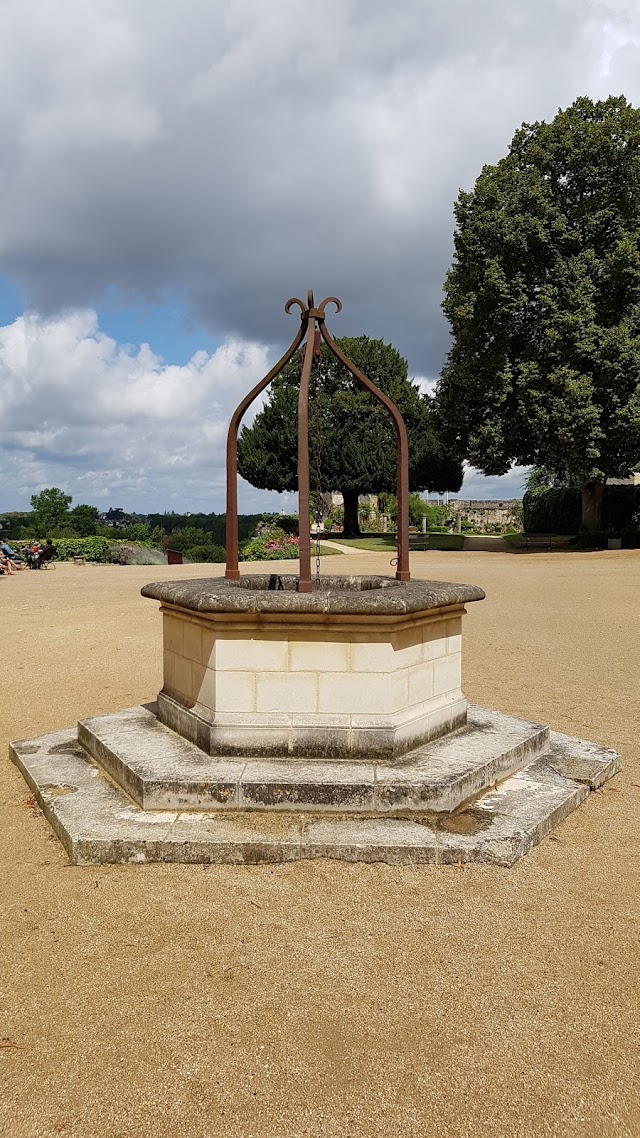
(582, 761)
(383, 596)
(445, 773)
(162, 770)
(98, 824)
(395, 841)
(158, 769)
(285, 785)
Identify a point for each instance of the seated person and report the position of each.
(11, 554)
(6, 565)
(46, 553)
(33, 554)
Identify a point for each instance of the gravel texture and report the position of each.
(324, 998)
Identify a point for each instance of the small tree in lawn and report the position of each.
(543, 299)
(357, 440)
(50, 510)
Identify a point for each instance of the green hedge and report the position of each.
(446, 540)
(107, 551)
(205, 553)
(556, 510)
(559, 510)
(89, 548)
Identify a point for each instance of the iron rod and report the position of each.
(304, 536)
(232, 571)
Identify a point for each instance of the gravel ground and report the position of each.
(325, 998)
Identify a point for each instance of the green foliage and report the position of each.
(554, 509)
(133, 531)
(271, 545)
(205, 553)
(541, 478)
(187, 538)
(543, 299)
(437, 516)
(558, 510)
(213, 524)
(446, 541)
(357, 439)
(84, 520)
(50, 510)
(90, 548)
(13, 525)
(417, 509)
(286, 522)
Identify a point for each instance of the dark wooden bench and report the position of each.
(537, 541)
(418, 541)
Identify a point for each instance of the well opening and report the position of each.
(288, 582)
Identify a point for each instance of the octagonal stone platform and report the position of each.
(289, 726)
(99, 823)
(361, 668)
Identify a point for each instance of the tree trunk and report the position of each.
(351, 522)
(592, 492)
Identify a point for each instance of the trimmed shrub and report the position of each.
(446, 540)
(554, 510)
(559, 510)
(102, 550)
(208, 553)
(89, 548)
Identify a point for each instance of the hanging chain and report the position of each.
(318, 509)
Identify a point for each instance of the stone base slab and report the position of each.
(98, 824)
(160, 770)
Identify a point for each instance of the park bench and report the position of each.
(537, 541)
(418, 541)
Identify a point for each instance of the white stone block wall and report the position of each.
(344, 675)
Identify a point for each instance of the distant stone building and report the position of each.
(481, 513)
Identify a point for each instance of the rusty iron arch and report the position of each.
(312, 326)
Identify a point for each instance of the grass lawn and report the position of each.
(380, 542)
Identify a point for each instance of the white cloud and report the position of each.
(104, 421)
(241, 151)
(234, 153)
(115, 425)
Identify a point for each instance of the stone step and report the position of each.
(99, 825)
(161, 770)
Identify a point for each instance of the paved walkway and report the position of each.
(342, 548)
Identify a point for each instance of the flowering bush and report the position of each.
(273, 544)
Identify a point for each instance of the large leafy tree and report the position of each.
(543, 299)
(84, 520)
(357, 449)
(50, 509)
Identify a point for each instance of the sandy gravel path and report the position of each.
(322, 998)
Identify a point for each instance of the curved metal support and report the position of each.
(310, 316)
(330, 300)
(402, 571)
(294, 300)
(232, 571)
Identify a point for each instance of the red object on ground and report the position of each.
(174, 557)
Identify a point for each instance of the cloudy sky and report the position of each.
(171, 173)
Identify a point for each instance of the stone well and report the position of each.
(362, 667)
